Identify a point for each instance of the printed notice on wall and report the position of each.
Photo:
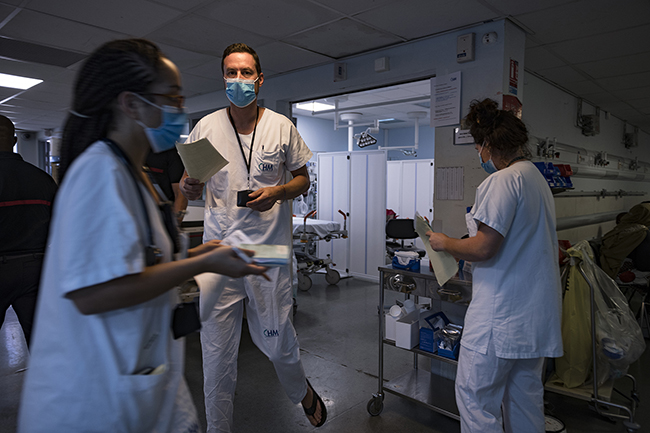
(449, 183)
(445, 100)
(462, 136)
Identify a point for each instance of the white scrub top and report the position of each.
(277, 148)
(83, 371)
(516, 298)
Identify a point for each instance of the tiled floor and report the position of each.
(338, 331)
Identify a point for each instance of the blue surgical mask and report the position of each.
(241, 92)
(488, 166)
(165, 136)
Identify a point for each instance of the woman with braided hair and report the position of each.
(103, 357)
(513, 320)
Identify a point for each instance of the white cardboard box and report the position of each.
(390, 327)
(407, 330)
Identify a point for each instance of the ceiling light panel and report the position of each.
(314, 106)
(16, 82)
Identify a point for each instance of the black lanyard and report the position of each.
(250, 156)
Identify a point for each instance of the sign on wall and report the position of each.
(445, 100)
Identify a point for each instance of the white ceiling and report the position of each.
(596, 49)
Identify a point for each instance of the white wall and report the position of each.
(551, 112)
(481, 78)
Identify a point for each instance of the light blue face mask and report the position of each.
(488, 166)
(241, 92)
(165, 136)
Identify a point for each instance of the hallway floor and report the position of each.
(338, 331)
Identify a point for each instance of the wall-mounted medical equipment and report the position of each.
(590, 163)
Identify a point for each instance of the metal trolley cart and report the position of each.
(307, 234)
(418, 385)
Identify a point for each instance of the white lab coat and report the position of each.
(83, 370)
(516, 298)
(278, 148)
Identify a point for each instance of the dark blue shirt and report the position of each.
(26, 194)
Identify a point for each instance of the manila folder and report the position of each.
(444, 265)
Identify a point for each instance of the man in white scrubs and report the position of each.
(261, 146)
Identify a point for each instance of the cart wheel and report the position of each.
(304, 282)
(631, 427)
(332, 276)
(375, 406)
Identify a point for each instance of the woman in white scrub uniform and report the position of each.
(513, 321)
(103, 356)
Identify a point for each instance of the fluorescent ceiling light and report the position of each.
(314, 106)
(386, 120)
(16, 82)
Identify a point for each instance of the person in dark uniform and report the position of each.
(26, 194)
(166, 169)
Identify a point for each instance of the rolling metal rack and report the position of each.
(418, 385)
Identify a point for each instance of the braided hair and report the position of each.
(505, 132)
(117, 66)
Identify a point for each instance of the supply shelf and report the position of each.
(427, 389)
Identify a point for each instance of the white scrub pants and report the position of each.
(269, 306)
(485, 384)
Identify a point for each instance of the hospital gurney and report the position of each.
(307, 232)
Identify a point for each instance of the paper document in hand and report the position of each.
(444, 264)
(269, 255)
(201, 159)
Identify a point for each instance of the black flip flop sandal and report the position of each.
(312, 410)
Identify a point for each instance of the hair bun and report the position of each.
(486, 113)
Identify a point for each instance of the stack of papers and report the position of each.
(444, 264)
(201, 159)
(269, 255)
